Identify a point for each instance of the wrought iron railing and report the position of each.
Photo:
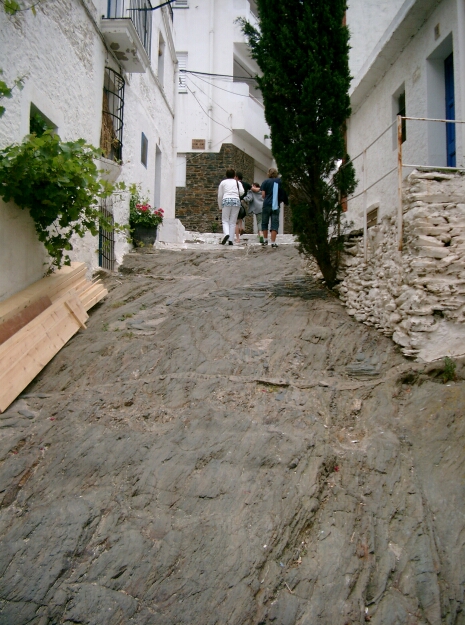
(106, 242)
(111, 135)
(139, 11)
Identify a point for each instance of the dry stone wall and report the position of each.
(417, 296)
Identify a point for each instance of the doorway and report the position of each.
(450, 109)
(441, 105)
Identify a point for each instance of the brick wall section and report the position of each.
(197, 203)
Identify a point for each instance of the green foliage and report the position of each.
(449, 369)
(7, 92)
(59, 184)
(141, 212)
(37, 124)
(12, 7)
(302, 51)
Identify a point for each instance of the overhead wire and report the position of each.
(200, 89)
(242, 95)
(212, 118)
(190, 71)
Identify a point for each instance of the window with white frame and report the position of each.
(182, 65)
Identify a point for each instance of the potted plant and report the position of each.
(143, 219)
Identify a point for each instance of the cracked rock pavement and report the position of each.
(224, 445)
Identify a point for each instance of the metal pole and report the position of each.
(365, 204)
(400, 218)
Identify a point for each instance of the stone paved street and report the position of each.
(224, 445)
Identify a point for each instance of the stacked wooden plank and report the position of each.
(38, 321)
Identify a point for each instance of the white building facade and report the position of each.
(220, 114)
(105, 71)
(407, 57)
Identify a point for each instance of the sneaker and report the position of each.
(265, 242)
(274, 245)
(231, 243)
(261, 239)
(224, 239)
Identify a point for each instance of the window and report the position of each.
(38, 122)
(111, 134)
(182, 65)
(161, 59)
(398, 108)
(372, 215)
(144, 145)
(401, 110)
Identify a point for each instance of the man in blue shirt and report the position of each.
(271, 200)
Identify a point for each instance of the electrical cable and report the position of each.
(213, 120)
(190, 71)
(221, 88)
(214, 101)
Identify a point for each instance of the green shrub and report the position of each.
(58, 182)
(449, 369)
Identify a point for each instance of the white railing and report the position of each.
(399, 167)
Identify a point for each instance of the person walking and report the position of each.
(240, 225)
(229, 193)
(255, 201)
(273, 194)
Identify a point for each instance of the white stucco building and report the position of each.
(102, 70)
(220, 115)
(409, 57)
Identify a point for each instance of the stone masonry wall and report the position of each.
(417, 296)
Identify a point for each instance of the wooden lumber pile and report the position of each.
(38, 321)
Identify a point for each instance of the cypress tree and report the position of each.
(302, 50)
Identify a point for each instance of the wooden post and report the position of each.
(365, 205)
(400, 217)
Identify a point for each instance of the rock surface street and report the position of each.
(224, 445)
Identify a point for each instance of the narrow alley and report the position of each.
(224, 445)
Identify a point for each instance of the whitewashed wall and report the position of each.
(367, 20)
(61, 53)
(413, 69)
(208, 33)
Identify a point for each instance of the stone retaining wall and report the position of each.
(417, 296)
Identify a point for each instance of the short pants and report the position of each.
(266, 214)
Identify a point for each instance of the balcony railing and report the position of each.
(138, 11)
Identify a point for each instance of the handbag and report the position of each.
(242, 210)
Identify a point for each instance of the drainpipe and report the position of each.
(175, 133)
(461, 69)
(211, 42)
